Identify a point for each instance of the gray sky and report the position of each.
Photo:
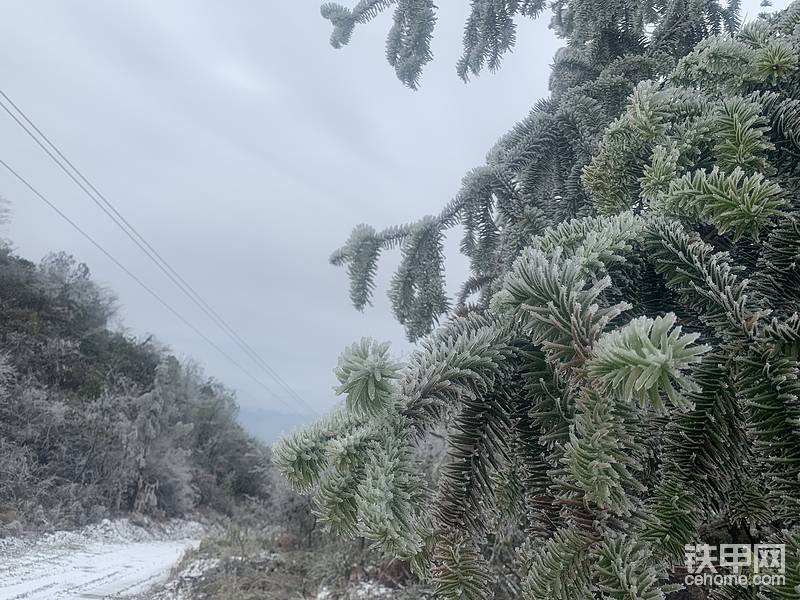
(245, 148)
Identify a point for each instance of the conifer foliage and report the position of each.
(626, 381)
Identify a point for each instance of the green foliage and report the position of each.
(625, 570)
(769, 382)
(659, 173)
(389, 498)
(602, 455)
(792, 541)
(479, 442)
(774, 61)
(366, 375)
(740, 130)
(778, 269)
(597, 242)
(417, 289)
(732, 203)
(628, 141)
(490, 32)
(302, 458)
(559, 568)
(706, 453)
(467, 357)
(627, 380)
(460, 570)
(705, 280)
(645, 358)
(558, 303)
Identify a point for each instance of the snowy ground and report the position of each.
(110, 560)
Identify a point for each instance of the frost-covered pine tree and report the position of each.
(619, 377)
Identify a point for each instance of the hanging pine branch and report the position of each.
(627, 380)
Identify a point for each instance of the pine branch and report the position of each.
(784, 118)
(704, 453)
(302, 457)
(460, 571)
(645, 358)
(530, 459)
(390, 497)
(490, 32)
(598, 242)
(366, 374)
(477, 450)
(778, 272)
(614, 173)
(549, 398)
(408, 45)
(732, 202)
(602, 454)
(768, 382)
(360, 253)
(537, 386)
(417, 288)
(465, 359)
(558, 305)
(626, 570)
(706, 280)
(558, 568)
(776, 60)
(740, 131)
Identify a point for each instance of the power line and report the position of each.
(144, 246)
(141, 283)
(141, 242)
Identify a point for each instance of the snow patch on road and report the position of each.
(112, 559)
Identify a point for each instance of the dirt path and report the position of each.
(87, 565)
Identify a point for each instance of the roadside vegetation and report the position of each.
(277, 550)
(96, 423)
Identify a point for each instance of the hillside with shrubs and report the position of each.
(95, 422)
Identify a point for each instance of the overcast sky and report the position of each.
(244, 148)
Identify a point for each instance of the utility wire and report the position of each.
(142, 284)
(131, 232)
(144, 246)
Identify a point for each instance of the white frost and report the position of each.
(113, 559)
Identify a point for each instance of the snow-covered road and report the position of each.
(113, 563)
